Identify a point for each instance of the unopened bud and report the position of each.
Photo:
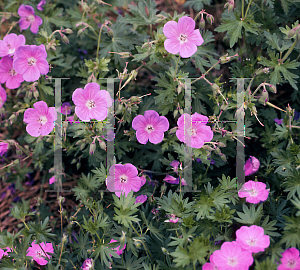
(137, 243)
(134, 74)
(36, 94)
(181, 111)
(80, 31)
(134, 99)
(102, 145)
(202, 24)
(221, 144)
(179, 89)
(272, 88)
(224, 59)
(123, 237)
(217, 151)
(163, 188)
(223, 157)
(92, 148)
(210, 18)
(12, 118)
(175, 113)
(125, 54)
(110, 32)
(164, 250)
(173, 130)
(291, 33)
(68, 31)
(265, 95)
(65, 39)
(230, 5)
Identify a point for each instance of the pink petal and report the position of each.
(101, 97)
(152, 117)
(41, 107)
(78, 98)
(82, 113)
(156, 137)
(43, 66)
(131, 170)
(31, 74)
(25, 11)
(142, 136)
(39, 52)
(20, 65)
(180, 135)
(170, 30)
(52, 115)
(31, 116)
(47, 128)
(186, 25)
(14, 82)
(172, 46)
(196, 142)
(187, 49)
(33, 129)
(139, 122)
(185, 118)
(35, 24)
(24, 23)
(199, 119)
(23, 52)
(205, 133)
(98, 113)
(195, 38)
(3, 48)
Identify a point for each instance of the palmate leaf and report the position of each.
(291, 234)
(249, 215)
(104, 251)
(140, 16)
(82, 246)
(277, 42)
(197, 4)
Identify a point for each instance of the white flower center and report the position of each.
(31, 61)
(251, 242)
(39, 254)
(31, 18)
(123, 179)
(43, 120)
(10, 50)
(253, 192)
(149, 128)
(12, 72)
(291, 263)
(183, 38)
(193, 132)
(232, 261)
(90, 104)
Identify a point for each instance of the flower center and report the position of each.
(12, 72)
(182, 38)
(193, 132)
(232, 261)
(253, 192)
(291, 263)
(31, 18)
(43, 120)
(91, 104)
(149, 128)
(39, 253)
(123, 179)
(251, 242)
(31, 61)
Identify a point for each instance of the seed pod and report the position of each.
(210, 18)
(102, 145)
(291, 33)
(80, 31)
(223, 157)
(202, 24)
(68, 31)
(36, 94)
(65, 39)
(265, 95)
(224, 59)
(273, 88)
(110, 32)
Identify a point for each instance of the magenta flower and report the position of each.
(123, 179)
(28, 18)
(5, 253)
(3, 148)
(37, 252)
(66, 108)
(119, 250)
(211, 265)
(232, 257)
(252, 238)
(40, 120)
(171, 179)
(251, 166)
(278, 121)
(91, 102)
(10, 44)
(254, 192)
(182, 37)
(183, 182)
(175, 164)
(143, 180)
(8, 75)
(30, 61)
(198, 131)
(52, 180)
(3, 96)
(141, 199)
(290, 260)
(150, 126)
(40, 5)
(172, 218)
(88, 264)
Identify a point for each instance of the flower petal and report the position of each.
(142, 136)
(186, 25)
(172, 46)
(170, 30)
(195, 38)
(187, 49)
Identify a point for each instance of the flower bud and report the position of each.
(224, 59)
(265, 95)
(215, 87)
(181, 111)
(137, 244)
(65, 39)
(173, 130)
(68, 31)
(202, 24)
(164, 250)
(110, 32)
(134, 99)
(163, 188)
(291, 33)
(92, 148)
(36, 94)
(102, 145)
(221, 144)
(210, 18)
(272, 88)
(175, 113)
(80, 31)
(123, 237)
(12, 118)
(223, 157)
(230, 5)
(217, 151)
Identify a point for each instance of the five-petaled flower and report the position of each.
(88, 264)
(10, 44)
(150, 126)
(8, 75)
(210, 265)
(252, 238)
(251, 166)
(141, 199)
(117, 249)
(3, 148)
(30, 61)
(254, 192)
(40, 120)
(37, 251)
(290, 260)
(91, 102)
(28, 18)
(193, 131)
(123, 179)
(182, 37)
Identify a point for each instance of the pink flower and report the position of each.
(87, 264)
(252, 238)
(41, 4)
(118, 250)
(183, 182)
(3, 148)
(38, 253)
(150, 126)
(182, 37)
(8, 75)
(232, 257)
(198, 131)
(66, 108)
(30, 61)
(172, 218)
(143, 180)
(52, 180)
(10, 44)
(141, 199)
(5, 253)
(251, 166)
(3, 96)
(91, 102)
(123, 178)
(290, 260)
(211, 265)
(28, 18)
(175, 164)
(171, 179)
(40, 120)
(254, 192)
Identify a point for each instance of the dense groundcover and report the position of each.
(150, 134)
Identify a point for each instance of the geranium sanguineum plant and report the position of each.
(91, 102)
(28, 18)
(198, 131)
(182, 37)
(290, 260)
(251, 166)
(254, 192)
(10, 44)
(150, 126)
(30, 61)
(123, 179)
(40, 120)
(37, 252)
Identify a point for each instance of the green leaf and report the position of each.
(250, 215)
(197, 4)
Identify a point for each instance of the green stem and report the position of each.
(99, 39)
(247, 9)
(176, 67)
(289, 51)
(272, 105)
(203, 75)
(243, 9)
